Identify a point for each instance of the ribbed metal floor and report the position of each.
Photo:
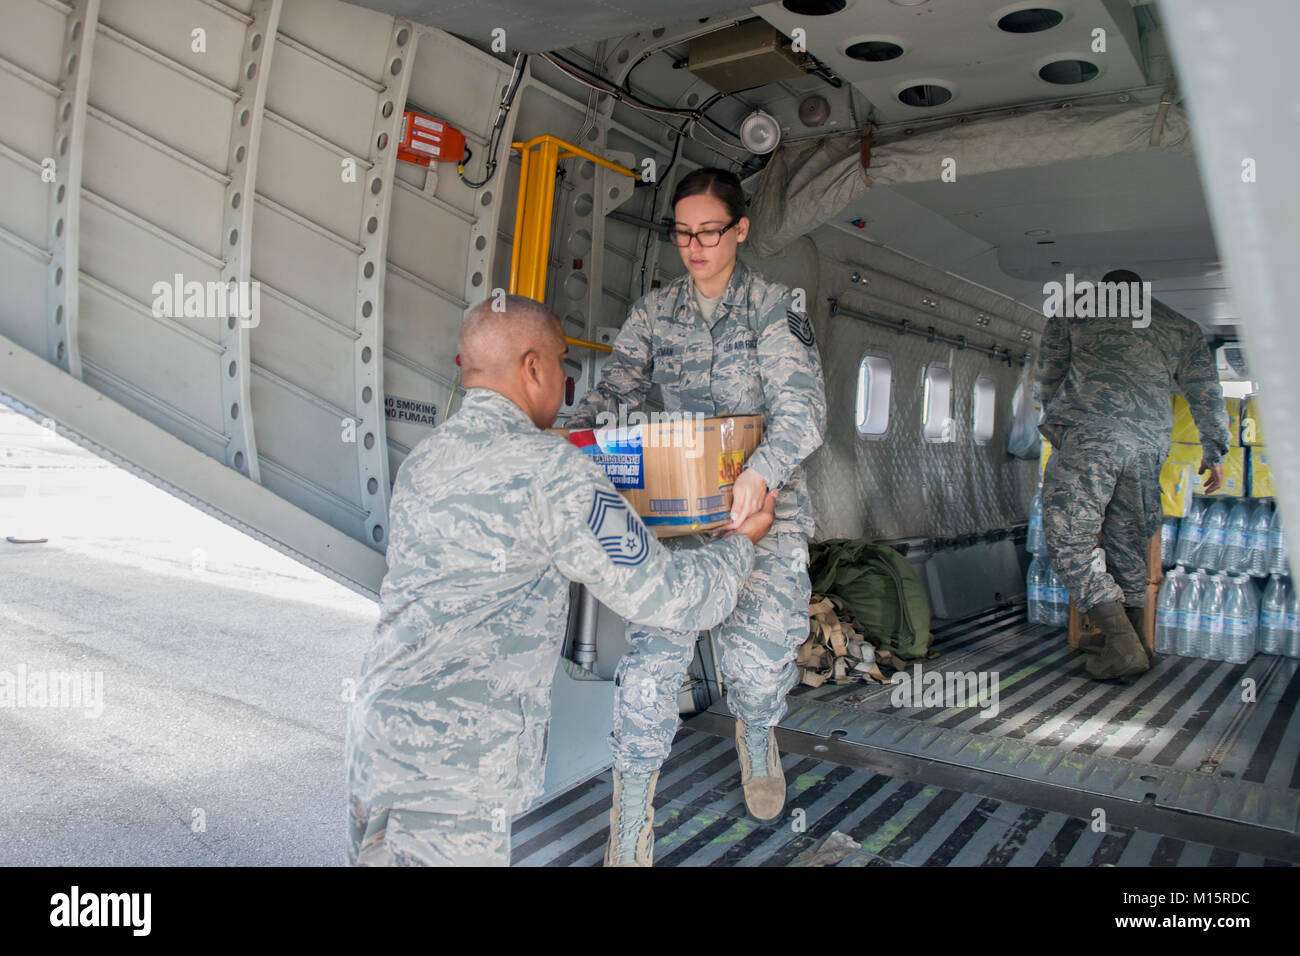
(1181, 733)
(700, 820)
(1202, 736)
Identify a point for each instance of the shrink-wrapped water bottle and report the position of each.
(1210, 555)
(1056, 600)
(1168, 542)
(1278, 560)
(1034, 589)
(1238, 621)
(1260, 523)
(1188, 636)
(1292, 648)
(1273, 631)
(1188, 548)
(1236, 553)
(1167, 611)
(1212, 618)
(1035, 543)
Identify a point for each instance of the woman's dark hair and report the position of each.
(718, 183)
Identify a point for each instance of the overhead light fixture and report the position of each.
(760, 132)
(910, 3)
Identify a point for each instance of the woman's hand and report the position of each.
(760, 522)
(747, 496)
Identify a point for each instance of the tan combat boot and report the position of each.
(1122, 654)
(1136, 617)
(764, 790)
(632, 820)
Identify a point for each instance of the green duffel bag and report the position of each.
(881, 588)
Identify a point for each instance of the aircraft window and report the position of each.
(874, 377)
(983, 404)
(936, 407)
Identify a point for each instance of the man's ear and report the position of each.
(530, 361)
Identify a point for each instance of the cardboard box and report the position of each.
(1259, 475)
(1184, 425)
(676, 472)
(1234, 475)
(1185, 430)
(1176, 483)
(1251, 433)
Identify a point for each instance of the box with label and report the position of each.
(1176, 488)
(1250, 424)
(675, 471)
(1234, 473)
(1259, 476)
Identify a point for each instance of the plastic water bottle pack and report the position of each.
(1035, 543)
(1274, 631)
(1236, 538)
(1213, 534)
(1278, 560)
(1034, 589)
(1261, 522)
(1167, 611)
(1188, 547)
(1168, 542)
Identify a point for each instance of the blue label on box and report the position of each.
(618, 451)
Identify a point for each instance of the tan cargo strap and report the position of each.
(835, 651)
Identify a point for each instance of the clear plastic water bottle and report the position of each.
(1236, 553)
(1278, 560)
(1034, 590)
(1210, 555)
(1212, 618)
(1189, 535)
(1238, 621)
(1035, 543)
(1056, 600)
(1260, 523)
(1273, 630)
(1167, 611)
(1188, 636)
(1292, 648)
(1168, 542)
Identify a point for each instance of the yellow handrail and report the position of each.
(530, 250)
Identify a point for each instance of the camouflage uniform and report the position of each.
(490, 519)
(1105, 388)
(755, 356)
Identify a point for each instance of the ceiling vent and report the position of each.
(743, 57)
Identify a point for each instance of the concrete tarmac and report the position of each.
(195, 680)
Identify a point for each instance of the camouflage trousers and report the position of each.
(756, 646)
(392, 836)
(1095, 486)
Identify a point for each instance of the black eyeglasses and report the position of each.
(708, 237)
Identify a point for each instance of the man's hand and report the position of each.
(1215, 481)
(746, 497)
(760, 522)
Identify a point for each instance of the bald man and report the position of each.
(491, 518)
